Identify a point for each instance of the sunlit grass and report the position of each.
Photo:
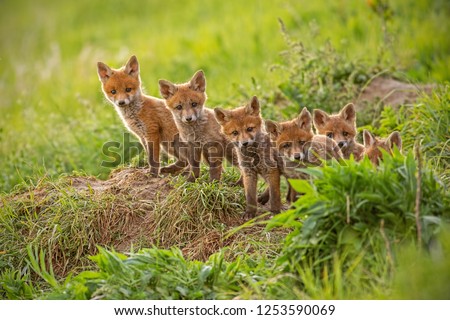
(54, 118)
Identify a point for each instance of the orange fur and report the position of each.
(298, 146)
(145, 116)
(244, 127)
(340, 127)
(373, 145)
(197, 125)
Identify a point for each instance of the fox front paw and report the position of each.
(154, 172)
(191, 177)
(168, 170)
(239, 183)
(263, 198)
(249, 214)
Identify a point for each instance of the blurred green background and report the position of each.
(54, 119)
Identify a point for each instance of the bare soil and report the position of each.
(126, 215)
(392, 92)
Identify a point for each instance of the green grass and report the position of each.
(364, 247)
(424, 125)
(353, 217)
(55, 119)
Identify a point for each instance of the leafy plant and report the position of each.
(163, 274)
(426, 121)
(321, 77)
(360, 213)
(429, 122)
(16, 284)
(424, 274)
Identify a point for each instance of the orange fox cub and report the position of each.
(342, 129)
(244, 127)
(373, 145)
(145, 116)
(298, 147)
(197, 125)
(296, 141)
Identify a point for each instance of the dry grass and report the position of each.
(69, 218)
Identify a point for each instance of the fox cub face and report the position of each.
(341, 127)
(243, 125)
(373, 145)
(185, 100)
(292, 137)
(122, 86)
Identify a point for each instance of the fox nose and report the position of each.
(189, 119)
(245, 143)
(297, 156)
(341, 144)
(121, 102)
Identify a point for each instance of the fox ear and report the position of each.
(369, 138)
(253, 108)
(132, 67)
(304, 120)
(198, 81)
(394, 139)
(167, 89)
(273, 128)
(320, 118)
(221, 115)
(104, 72)
(348, 112)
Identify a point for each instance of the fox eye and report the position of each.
(113, 91)
(250, 129)
(128, 89)
(235, 133)
(179, 107)
(286, 145)
(194, 104)
(302, 142)
(345, 133)
(330, 135)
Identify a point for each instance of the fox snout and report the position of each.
(246, 143)
(343, 144)
(189, 118)
(299, 156)
(123, 103)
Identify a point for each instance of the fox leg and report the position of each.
(194, 157)
(273, 179)
(264, 197)
(153, 156)
(213, 153)
(180, 150)
(250, 181)
(231, 156)
(291, 195)
(174, 168)
(215, 169)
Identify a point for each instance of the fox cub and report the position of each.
(299, 146)
(244, 127)
(373, 145)
(296, 141)
(197, 125)
(145, 116)
(341, 128)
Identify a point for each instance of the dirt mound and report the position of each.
(134, 182)
(135, 192)
(391, 92)
(70, 217)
